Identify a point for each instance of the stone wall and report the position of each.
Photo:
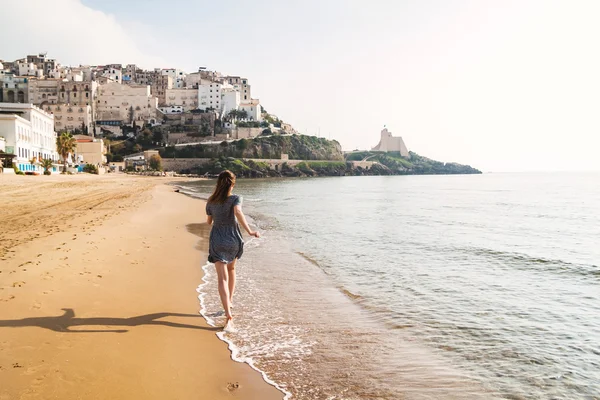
(362, 164)
(246, 133)
(178, 164)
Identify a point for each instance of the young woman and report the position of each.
(224, 211)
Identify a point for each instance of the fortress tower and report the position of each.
(389, 143)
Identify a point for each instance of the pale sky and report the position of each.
(502, 85)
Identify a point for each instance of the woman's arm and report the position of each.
(209, 219)
(242, 220)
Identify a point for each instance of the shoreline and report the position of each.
(98, 294)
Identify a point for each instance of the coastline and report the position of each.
(98, 294)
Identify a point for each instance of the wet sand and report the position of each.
(98, 278)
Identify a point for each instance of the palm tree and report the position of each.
(65, 144)
(46, 163)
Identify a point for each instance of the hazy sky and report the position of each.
(501, 85)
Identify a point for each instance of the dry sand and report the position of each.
(97, 294)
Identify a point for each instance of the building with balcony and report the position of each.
(186, 98)
(70, 118)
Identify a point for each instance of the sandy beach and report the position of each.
(98, 278)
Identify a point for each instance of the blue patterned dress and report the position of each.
(225, 243)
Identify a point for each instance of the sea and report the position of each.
(418, 287)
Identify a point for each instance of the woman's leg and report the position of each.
(223, 287)
(231, 279)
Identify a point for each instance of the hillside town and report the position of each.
(97, 104)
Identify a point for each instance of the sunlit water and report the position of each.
(421, 287)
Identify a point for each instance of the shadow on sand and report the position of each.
(62, 323)
(201, 230)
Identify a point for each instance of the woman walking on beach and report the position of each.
(224, 211)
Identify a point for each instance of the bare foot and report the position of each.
(229, 325)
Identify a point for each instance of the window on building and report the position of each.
(245, 97)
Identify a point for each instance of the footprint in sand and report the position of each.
(18, 284)
(17, 365)
(232, 386)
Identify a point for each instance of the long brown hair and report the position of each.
(224, 183)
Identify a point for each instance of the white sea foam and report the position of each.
(235, 351)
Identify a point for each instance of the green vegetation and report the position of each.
(46, 163)
(412, 165)
(248, 124)
(65, 144)
(298, 147)
(90, 169)
(155, 162)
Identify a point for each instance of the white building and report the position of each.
(230, 99)
(29, 69)
(113, 74)
(209, 96)
(177, 75)
(253, 110)
(29, 133)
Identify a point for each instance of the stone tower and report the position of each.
(390, 143)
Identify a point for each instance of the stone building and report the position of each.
(77, 93)
(68, 117)
(159, 86)
(14, 88)
(129, 74)
(43, 91)
(186, 98)
(90, 150)
(389, 143)
(125, 103)
(242, 85)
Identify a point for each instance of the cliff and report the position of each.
(414, 164)
(320, 157)
(298, 147)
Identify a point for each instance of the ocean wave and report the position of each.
(525, 261)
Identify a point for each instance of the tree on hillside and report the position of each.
(65, 144)
(157, 136)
